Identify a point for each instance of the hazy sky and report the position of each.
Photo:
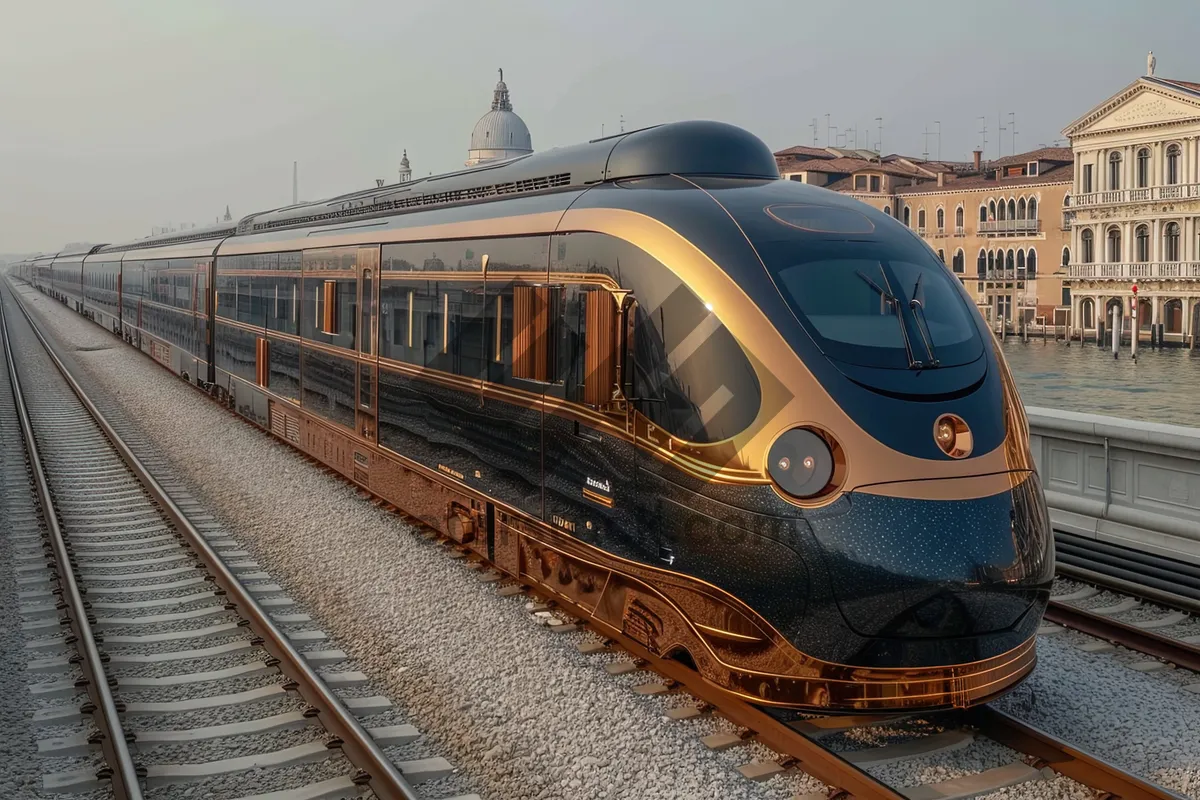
(119, 115)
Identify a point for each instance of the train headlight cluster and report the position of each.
(953, 436)
(800, 463)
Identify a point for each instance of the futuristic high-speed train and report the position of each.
(752, 424)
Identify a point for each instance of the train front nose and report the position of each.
(973, 573)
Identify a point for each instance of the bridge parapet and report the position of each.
(1122, 481)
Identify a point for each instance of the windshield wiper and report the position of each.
(893, 301)
(923, 324)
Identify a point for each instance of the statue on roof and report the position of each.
(1151, 61)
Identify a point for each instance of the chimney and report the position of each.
(941, 179)
(978, 155)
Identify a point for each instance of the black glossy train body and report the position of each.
(751, 424)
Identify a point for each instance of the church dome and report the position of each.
(499, 133)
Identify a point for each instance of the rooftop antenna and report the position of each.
(983, 132)
(827, 129)
(813, 125)
(835, 139)
(925, 154)
(879, 144)
(601, 130)
(1012, 123)
(295, 184)
(999, 137)
(622, 123)
(939, 139)
(855, 132)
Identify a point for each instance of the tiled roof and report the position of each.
(1063, 154)
(810, 152)
(1062, 174)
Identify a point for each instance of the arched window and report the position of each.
(1141, 238)
(1011, 261)
(941, 219)
(1171, 242)
(1172, 164)
(1001, 210)
(1021, 208)
(959, 264)
(1012, 208)
(887, 210)
(1087, 309)
(921, 219)
(1143, 168)
(1020, 260)
(941, 255)
(958, 217)
(991, 262)
(1173, 316)
(1114, 171)
(1114, 245)
(1033, 208)
(908, 216)
(1066, 261)
(1087, 246)
(1031, 264)
(983, 213)
(981, 264)
(992, 209)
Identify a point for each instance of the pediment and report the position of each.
(1140, 105)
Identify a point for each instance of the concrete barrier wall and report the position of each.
(1122, 481)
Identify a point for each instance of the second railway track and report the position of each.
(159, 658)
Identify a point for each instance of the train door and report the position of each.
(365, 414)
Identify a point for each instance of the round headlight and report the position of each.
(800, 463)
(953, 436)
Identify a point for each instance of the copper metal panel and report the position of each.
(262, 354)
(600, 364)
(329, 307)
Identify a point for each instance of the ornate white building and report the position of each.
(1136, 208)
(500, 133)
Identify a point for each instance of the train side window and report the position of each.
(690, 376)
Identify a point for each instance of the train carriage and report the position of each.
(751, 424)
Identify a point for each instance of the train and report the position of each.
(813, 484)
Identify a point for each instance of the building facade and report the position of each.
(1136, 210)
(999, 226)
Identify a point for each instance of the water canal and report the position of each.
(1161, 386)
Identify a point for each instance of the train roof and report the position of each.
(219, 231)
(681, 148)
(77, 253)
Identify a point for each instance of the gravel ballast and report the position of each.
(516, 708)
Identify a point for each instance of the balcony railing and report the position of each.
(920, 230)
(1006, 275)
(1011, 227)
(1136, 271)
(1148, 194)
(959, 230)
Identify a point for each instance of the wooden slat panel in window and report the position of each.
(531, 339)
(599, 357)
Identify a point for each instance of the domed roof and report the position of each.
(500, 130)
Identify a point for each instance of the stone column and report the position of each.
(1156, 240)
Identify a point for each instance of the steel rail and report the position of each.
(1152, 644)
(378, 772)
(121, 771)
(1065, 759)
(1132, 587)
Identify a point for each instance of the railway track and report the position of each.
(158, 655)
(780, 743)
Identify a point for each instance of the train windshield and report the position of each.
(867, 291)
(867, 308)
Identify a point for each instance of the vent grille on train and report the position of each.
(355, 208)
